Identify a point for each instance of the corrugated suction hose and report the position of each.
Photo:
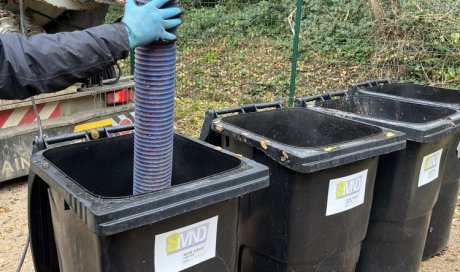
(155, 79)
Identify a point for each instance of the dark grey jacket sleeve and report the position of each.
(52, 62)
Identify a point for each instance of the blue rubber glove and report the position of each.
(150, 22)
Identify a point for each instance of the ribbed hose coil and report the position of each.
(155, 79)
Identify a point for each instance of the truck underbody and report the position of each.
(64, 112)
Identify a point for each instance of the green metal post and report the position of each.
(131, 60)
(295, 51)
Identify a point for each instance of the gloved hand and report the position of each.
(150, 22)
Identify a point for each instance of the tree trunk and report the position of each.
(396, 7)
(377, 10)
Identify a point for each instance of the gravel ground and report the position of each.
(13, 233)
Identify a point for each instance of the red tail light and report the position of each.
(118, 97)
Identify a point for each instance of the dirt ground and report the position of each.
(13, 233)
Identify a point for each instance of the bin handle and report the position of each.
(212, 137)
(302, 101)
(370, 83)
(248, 108)
(42, 143)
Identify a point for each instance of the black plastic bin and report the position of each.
(314, 214)
(444, 209)
(99, 225)
(408, 181)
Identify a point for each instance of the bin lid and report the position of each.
(110, 215)
(305, 140)
(416, 93)
(420, 122)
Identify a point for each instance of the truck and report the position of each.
(105, 99)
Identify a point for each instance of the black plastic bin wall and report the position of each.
(444, 209)
(408, 181)
(99, 226)
(314, 214)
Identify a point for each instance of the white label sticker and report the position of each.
(346, 193)
(185, 247)
(458, 150)
(429, 169)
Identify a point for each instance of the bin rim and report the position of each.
(117, 198)
(417, 132)
(311, 159)
(107, 216)
(368, 91)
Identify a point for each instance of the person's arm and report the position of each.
(52, 62)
